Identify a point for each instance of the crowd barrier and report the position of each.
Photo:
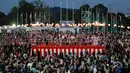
(68, 49)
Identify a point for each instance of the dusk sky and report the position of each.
(116, 5)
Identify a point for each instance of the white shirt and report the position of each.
(68, 71)
(25, 56)
(29, 65)
(94, 70)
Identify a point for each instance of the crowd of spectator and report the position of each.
(15, 54)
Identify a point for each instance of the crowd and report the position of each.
(15, 53)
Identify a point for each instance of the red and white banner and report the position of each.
(68, 49)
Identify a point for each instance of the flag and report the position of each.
(93, 17)
(44, 17)
(35, 16)
(106, 22)
(30, 17)
(97, 15)
(21, 16)
(39, 17)
(103, 21)
(111, 23)
(26, 18)
(89, 15)
(82, 15)
(97, 18)
(120, 21)
(49, 16)
(115, 23)
(120, 18)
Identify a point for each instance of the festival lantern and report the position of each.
(70, 25)
(86, 25)
(57, 25)
(83, 24)
(109, 25)
(93, 24)
(115, 25)
(122, 26)
(14, 25)
(42, 24)
(63, 25)
(103, 24)
(31, 24)
(5, 26)
(18, 25)
(47, 24)
(52, 24)
(89, 24)
(75, 25)
(79, 24)
(128, 27)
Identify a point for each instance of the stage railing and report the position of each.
(68, 49)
